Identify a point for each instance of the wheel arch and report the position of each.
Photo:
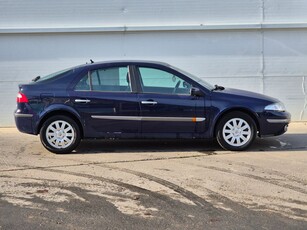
(61, 111)
(253, 115)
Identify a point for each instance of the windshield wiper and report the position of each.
(218, 87)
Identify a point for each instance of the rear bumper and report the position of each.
(274, 123)
(24, 122)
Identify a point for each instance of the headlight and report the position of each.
(279, 106)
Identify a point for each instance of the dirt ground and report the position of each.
(116, 184)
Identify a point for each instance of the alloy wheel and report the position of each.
(236, 132)
(60, 134)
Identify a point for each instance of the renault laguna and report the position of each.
(142, 99)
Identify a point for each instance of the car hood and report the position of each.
(249, 94)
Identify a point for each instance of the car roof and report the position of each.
(126, 62)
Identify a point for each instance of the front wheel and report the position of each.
(236, 131)
(60, 134)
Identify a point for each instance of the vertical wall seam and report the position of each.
(123, 41)
(305, 98)
(262, 47)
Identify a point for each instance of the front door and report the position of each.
(167, 107)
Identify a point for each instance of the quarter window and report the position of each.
(83, 84)
(114, 79)
(159, 81)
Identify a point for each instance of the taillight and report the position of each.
(21, 98)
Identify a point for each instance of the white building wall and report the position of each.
(258, 45)
(80, 13)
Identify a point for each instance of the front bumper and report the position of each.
(274, 123)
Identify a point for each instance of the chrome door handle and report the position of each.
(82, 101)
(149, 102)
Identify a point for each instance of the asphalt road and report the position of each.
(154, 184)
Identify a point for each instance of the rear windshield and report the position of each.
(53, 75)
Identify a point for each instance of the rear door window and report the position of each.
(115, 79)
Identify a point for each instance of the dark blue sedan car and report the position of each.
(141, 99)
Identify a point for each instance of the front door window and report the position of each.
(159, 81)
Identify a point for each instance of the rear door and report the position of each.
(107, 103)
(167, 107)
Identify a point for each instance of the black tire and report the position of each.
(69, 139)
(236, 131)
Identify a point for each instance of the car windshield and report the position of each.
(56, 74)
(197, 79)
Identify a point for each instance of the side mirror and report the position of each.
(196, 92)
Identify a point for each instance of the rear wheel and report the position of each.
(60, 134)
(236, 131)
